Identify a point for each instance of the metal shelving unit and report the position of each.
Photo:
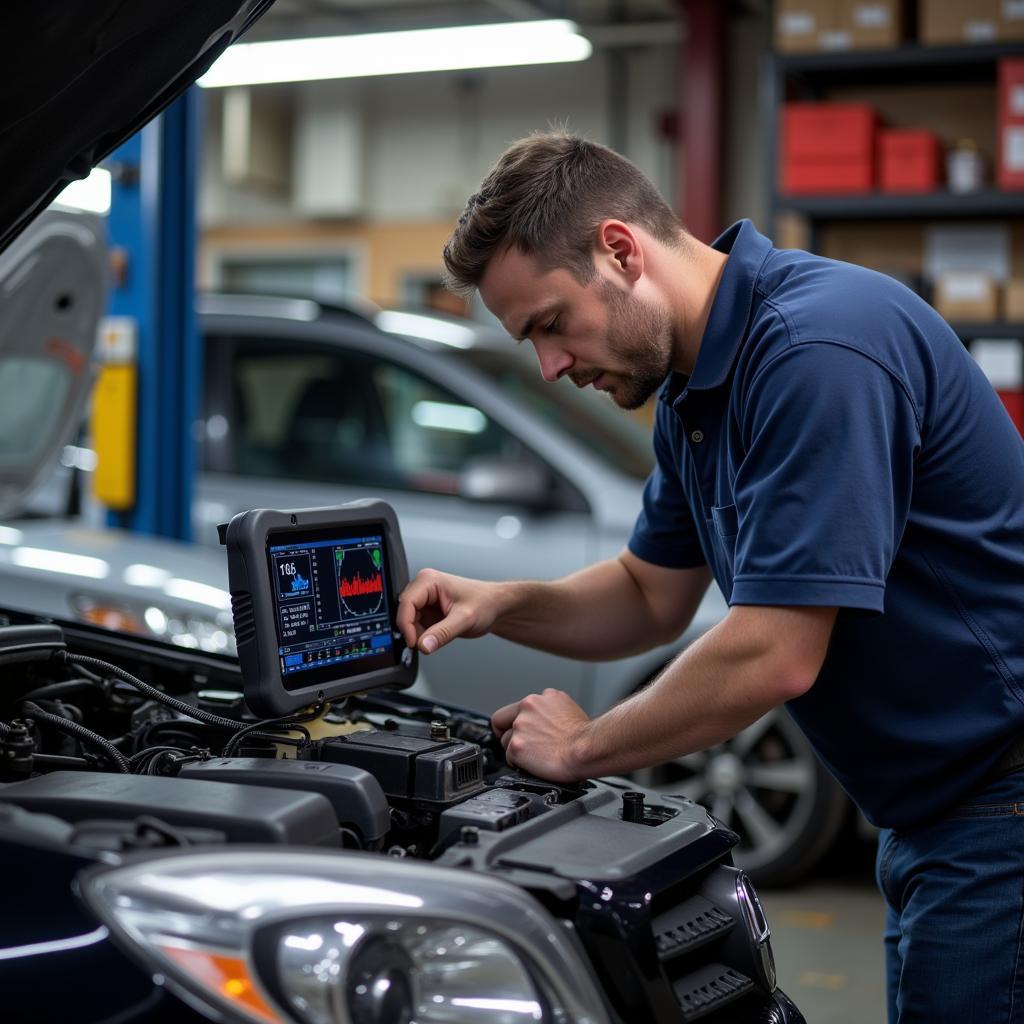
(1001, 329)
(898, 64)
(883, 206)
(810, 76)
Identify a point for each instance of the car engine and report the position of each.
(125, 748)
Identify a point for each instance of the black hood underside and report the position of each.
(80, 77)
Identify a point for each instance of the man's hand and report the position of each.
(540, 733)
(436, 607)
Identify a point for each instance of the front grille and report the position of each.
(689, 925)
(709, 989)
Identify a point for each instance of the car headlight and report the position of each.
(402, 969)
(749, 946)
(275, 937)
(213, 633)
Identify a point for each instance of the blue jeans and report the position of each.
(954, 891)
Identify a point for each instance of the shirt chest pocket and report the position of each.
(724, 527)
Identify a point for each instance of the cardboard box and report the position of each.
(909, 160)
(1013, 300)
(1002, 361)
(873, 24)
(792, 231)
(959, 22)
(1011, 21)
(811, 26)
(800, 23)
(966, 296)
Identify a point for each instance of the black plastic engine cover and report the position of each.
(355, 795)
(247, 814)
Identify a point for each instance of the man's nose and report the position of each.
(554, 361)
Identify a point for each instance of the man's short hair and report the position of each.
(546, 196)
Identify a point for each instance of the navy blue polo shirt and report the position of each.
(836, 445)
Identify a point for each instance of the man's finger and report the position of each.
(443, 632)
(502, 719)
(416, 596)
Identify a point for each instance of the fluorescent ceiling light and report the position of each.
(398, 53)
(92, 193)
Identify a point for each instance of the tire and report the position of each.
(768, 786)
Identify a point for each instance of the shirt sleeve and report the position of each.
(823, 490)
(664, 533)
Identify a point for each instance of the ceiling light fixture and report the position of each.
(398, 53)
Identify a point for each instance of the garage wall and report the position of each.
(425, 141)
(405, 151)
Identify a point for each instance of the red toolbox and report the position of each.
(909, 160)
(828, 148)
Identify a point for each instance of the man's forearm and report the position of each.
(716, 687)
(596, 614)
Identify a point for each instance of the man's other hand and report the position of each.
(436, 607)
(540, 734)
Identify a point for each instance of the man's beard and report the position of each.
(639, 336)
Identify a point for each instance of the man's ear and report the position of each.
(618, 244)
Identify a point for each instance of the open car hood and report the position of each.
(52, 295)
(80, 78)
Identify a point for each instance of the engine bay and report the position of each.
(158, 750)
(121, 748)
(87, 741)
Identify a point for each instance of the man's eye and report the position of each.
(552, 327)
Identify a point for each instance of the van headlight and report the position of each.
(277, 938)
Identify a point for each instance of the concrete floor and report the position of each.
(827, 937)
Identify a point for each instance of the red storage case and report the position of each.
(909, 160)
(814, 177)
(828, 131)
(1014, 402)
(828, 147)
(1010, 170)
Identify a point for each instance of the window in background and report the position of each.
(327, 278)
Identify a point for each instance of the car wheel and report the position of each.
(767, 785)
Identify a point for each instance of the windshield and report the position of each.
(586, 416)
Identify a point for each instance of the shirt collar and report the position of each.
(747, 250)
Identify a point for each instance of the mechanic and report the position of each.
(828, 451)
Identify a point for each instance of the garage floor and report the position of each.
(827, 935)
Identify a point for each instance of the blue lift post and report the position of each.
(153, 223)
